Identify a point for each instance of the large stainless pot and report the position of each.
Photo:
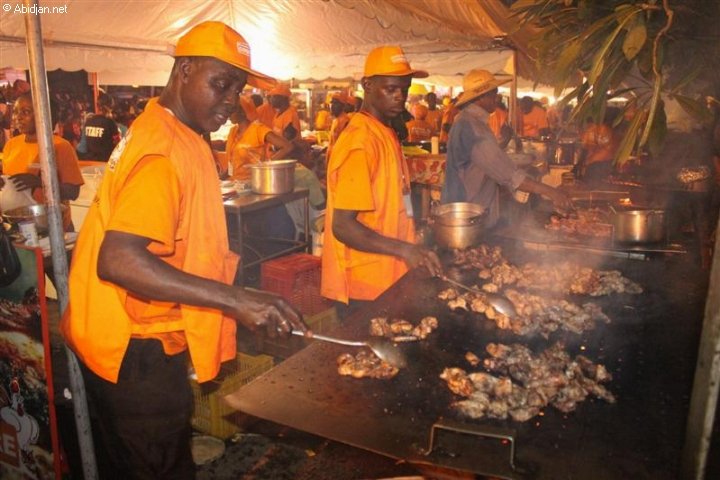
(273, 177)
(639, 225)
(458, 225)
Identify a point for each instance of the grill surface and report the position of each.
(650, 348)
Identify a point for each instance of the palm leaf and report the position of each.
(628, 142)
(623, 18)
(635, 39)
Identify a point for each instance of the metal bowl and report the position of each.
(34, 213)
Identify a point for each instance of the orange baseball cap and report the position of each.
(390, 61)
(281, 89)
(343, 97)
(217, 40)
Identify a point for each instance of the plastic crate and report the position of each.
(297, 278)
(211, 414)
(322, 322)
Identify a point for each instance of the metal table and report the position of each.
(650, 347)
(241, 241)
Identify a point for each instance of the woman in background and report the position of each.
(21, 160)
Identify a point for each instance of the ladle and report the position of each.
(498, 302)
(382, 347)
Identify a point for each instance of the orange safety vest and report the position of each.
(448, 118)
(419, 130)
(265, 114)
(245, 148)
(366, 173)
(191, 235)
(336, 127)
(323, 120)
(434, 117)
(531, 123)
(282, 120)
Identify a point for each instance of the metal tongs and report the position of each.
(382, 347)
(498, 302)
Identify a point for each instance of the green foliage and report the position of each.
(635, 39)
(604, 49)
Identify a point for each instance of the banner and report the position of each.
(28, 432)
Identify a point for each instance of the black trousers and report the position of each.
(141, 425)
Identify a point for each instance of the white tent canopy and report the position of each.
(129, 42)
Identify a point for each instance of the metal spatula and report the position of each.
(498, 302)
(382, 347)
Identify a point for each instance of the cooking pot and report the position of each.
(35, 213)
(458, 225)
(639, 225)
(273, 177)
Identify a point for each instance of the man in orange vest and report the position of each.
(151, 280)
(532, 119)
(419, 129)
(265, 112)
(338, 108)
(448, 117)
(369, 238)
(286, 122)
(434, 115)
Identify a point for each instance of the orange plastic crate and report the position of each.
(296, 278)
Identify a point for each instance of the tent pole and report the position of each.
(43, 122)
(512, 103)
(706, 384)
(96, 92)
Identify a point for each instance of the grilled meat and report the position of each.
(591, 222)
(363, 365)
(523, 383)
(472, 359)
(535, 314)
(402, 330)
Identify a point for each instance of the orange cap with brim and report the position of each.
(390, 61)
(217, 40)
(281, 89)
(344, 98)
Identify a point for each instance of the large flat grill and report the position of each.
(650, 348)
